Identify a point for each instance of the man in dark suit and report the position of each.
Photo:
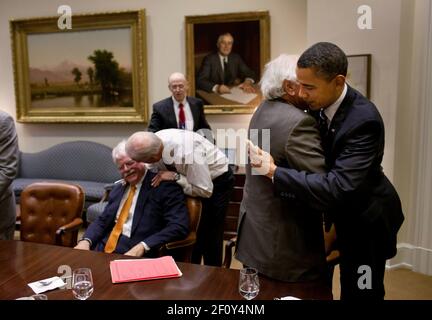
(179, 110)
(8, 170)
(138, 218)
(363, 203)
(282, 241)
(223, 69)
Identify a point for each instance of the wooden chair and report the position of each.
(181, 250)
(51, 213)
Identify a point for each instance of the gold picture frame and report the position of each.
(251, 33)
(95, 72)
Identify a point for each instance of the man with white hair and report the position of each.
(281, 239)
(201, 169)
(179, 110)
(138, 219)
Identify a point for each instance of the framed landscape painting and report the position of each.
(94, 72)
(250, 32)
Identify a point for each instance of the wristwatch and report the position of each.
(176, 176)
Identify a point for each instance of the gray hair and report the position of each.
(275, 72)
(219, 40)
(143, 145)
(119, 151)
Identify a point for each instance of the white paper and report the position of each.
(290, 298)
(46, 284)
(238, 95)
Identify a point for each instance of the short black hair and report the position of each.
(327, 59)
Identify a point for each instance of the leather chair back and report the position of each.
(51, 213)
(181, 250)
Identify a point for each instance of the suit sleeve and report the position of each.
(171, 200)
(156, 121)
(9, 153)
(303, 148)
(322, 191)
(203, 124)
(203, 79)
(104, 223)
(244, 70)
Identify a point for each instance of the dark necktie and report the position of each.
(226, 71)
(323, 123)
(182, 117)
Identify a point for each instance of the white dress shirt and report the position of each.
(197, 160)
(187, 111)
(127, 226)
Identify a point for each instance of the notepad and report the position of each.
(129, 270)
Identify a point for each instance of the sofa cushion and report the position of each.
(93, 190)
(86, 163)
(75, 161)
(95, 210)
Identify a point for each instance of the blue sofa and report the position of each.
(88, 164)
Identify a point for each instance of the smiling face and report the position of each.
(178, 88)
(225, 43)
(131, 170)
(317, 91)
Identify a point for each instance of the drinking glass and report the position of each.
(82, 283)
(249, 283)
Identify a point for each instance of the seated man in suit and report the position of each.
(138, 218)
(179, 110)
(223, 69)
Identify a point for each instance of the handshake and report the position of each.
(262, 162)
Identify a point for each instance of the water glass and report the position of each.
(82, 283)
(249, 283)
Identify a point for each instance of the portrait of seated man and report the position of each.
(222, 70)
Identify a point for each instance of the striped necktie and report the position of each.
(118, 228)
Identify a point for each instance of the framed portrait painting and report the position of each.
(358, 75)
(96, 71)
(248, 36)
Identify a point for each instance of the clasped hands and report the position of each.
(261, 161)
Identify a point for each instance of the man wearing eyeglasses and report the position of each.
(179, 111)
(138, 217)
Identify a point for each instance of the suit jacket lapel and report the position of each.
(219, 68)
(170, 114)
(195, 114)
(339, 118)
(142, 199)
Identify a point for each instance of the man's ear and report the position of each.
(340, 80)
(289, 87)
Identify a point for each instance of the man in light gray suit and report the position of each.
(8, 169)
(281, 238)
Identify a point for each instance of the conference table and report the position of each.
(25, 262)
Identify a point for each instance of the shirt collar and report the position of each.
(330, 111)
(176, 103)
(221, 58)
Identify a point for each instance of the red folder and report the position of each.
(143, 269)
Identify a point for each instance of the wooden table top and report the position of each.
(24, 262)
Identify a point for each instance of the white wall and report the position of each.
(336, 21)
(166, 54)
